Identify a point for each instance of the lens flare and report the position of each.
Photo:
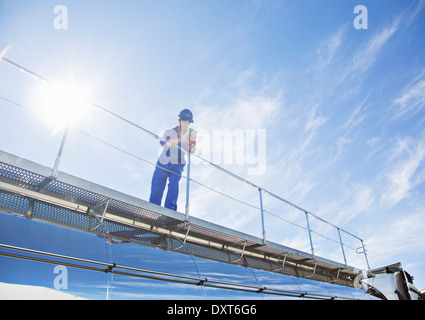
(63, 105)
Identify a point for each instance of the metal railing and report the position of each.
(188, 178)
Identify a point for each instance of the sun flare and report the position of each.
(63, 105)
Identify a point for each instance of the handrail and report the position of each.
(260, 189)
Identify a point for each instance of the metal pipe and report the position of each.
(186, 213)
(59, 156)
(262, 216)
(365, 255)
(309, 234)
(342, 247)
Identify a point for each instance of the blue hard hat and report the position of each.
(186, 115)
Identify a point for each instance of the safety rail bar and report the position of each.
(188, 179)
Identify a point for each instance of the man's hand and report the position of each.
(192, 140)
(173, 142)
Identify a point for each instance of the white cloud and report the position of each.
(9, 291)
(333, 69)
(413, 98)
(405, 171)
(329, 48)
(314, 122)
(366, 56)
(357, 116)
(399, 237)
(248, 105)
(354, 200)
(374, 145)
(412, 16)
(361, 198)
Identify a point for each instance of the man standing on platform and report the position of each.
(176, 142)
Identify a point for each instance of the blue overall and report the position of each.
(173, 173)
(169, 166)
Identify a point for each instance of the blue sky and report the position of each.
(343, 108)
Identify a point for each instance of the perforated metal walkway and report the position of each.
(29, 189)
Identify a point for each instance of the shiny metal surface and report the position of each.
(226, 280)
(134, 255)
(55, 239)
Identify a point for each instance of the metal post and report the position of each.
(342, 247)
(309, 234)
(186, 213)
(365, 255)
(262, 215)
(58, 158)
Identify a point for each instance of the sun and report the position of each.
(63, 105)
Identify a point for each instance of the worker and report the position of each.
(176, 143)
